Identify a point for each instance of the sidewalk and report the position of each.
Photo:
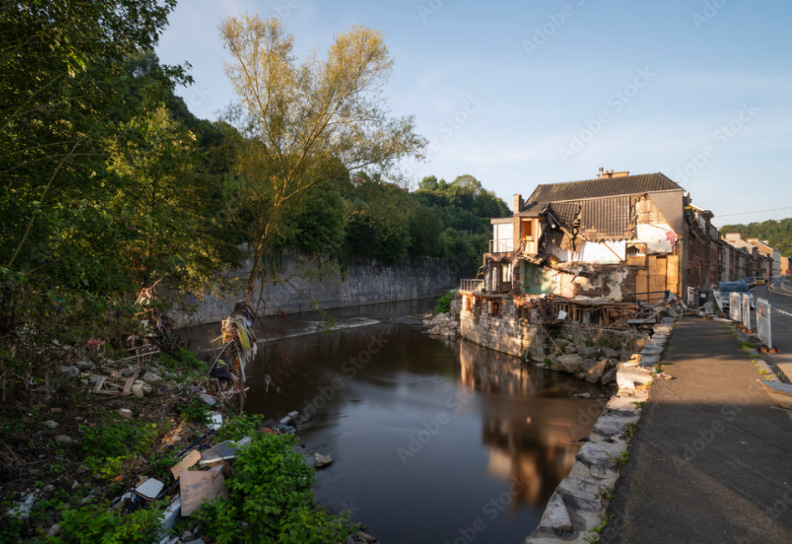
(712, 459)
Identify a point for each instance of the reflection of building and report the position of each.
(530, 443)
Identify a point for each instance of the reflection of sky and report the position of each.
(425, 431)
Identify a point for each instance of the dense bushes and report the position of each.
(270, 494)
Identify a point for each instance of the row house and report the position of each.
(772, 254)
(746, 259)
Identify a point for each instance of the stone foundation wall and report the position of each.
(503, 332)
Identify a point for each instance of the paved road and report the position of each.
(712, 459)
(779, 294)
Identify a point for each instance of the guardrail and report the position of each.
(471, 285)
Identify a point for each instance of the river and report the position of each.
(432, 441)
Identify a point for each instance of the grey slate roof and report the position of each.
(599, 188)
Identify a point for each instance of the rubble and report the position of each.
(443, 325)
(578, 505)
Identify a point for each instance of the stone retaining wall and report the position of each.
(329, 287)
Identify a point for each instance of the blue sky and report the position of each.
(522, 93)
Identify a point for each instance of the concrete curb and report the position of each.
(576, 510)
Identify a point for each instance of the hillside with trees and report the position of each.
(777, 233)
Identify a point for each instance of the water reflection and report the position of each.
(530, 439)
(504, 443)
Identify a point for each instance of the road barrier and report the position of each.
(691, 297)
(746, 311)
(735, 307)
(764, 322)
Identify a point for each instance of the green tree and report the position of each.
(159, 206)
(66, 88)
(306, 123)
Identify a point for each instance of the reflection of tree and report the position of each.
(529, 438)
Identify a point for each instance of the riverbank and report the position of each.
(99, 462)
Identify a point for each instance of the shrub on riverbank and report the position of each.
(270, 498)
(444, 302)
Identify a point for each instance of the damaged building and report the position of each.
(595, 250)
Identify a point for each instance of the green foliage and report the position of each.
(189, 362)
(102, 524)
(161, 463)
(621, 459)
(241, 426)
(118, 438)
(271, 492)
(630, 429)
(593, 539)
(777, 233)
(444, 303)
(109, 446)
(195, 411)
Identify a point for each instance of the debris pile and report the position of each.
(442, 325)
(227, 373)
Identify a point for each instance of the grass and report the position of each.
(593, 539)
(630, 429)
(621, 459)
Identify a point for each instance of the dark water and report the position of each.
(432, 442)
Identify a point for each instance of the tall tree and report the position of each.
(306, 123)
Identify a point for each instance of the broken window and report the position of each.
(634, 250)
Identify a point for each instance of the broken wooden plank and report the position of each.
(189, 460)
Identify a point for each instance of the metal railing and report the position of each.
(501, 246)
(471, 285)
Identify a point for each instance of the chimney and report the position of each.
(608, 174)
(517, 203)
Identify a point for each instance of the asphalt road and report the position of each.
(779, 294)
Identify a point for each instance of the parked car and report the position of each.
(749, 281)
(728, 287)
(761, 281)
